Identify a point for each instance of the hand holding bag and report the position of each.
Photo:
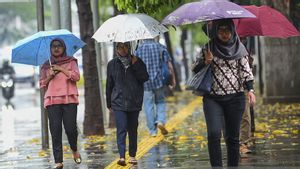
(201, 82)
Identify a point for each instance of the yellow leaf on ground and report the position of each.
(200, 138)
(34, 141)
(278, 132)
(42, 153)
(295, 131)
(203, 144)
(259, 135)
(181, 138)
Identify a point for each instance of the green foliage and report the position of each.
(255, 2)
(155, 8)
(26, 11)
(104, 9)
(199, 37)
(159, 9)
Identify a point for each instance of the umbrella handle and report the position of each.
(207, 31)
(50, 62)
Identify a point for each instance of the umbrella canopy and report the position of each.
(206, 10)
(35, 49)
(129, 27)
(268, 22)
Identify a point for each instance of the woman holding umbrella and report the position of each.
(58, 77)
(226, 101)
(126, 75)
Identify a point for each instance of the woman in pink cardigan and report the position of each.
(61, 99)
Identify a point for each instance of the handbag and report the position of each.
(201, 82)
(165, 71)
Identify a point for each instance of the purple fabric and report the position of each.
(206, 10)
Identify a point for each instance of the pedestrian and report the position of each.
(226, 100)
(246, 133)
(58, 78)
(7, 69)
(153, 54)
(126, 75)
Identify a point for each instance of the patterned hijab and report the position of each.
(126, 60)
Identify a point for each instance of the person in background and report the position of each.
(59, 78)
(246, 133)
(7, 69)
(153, 54)
(226, 101)
(126, 75)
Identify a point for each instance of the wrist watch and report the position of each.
(251, 90)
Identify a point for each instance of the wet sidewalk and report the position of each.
(276, 145)
(277, 141)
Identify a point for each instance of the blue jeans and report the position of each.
(155, 108)
(225, 110)
(126, 122)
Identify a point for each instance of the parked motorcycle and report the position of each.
(8, 86)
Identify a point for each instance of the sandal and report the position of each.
(59, 166)
(77, 160)
(121, 162)
(132, 161)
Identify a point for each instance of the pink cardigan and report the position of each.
(61, 89)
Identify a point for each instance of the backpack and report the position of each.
(165, 71)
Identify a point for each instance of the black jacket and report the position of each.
(125, 88)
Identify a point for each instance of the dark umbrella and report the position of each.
(268, 22)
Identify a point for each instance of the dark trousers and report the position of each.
(126, 122)
(219, 110)
(66, 113)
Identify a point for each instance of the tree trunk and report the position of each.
(184, 58)
(169, 46)
(93, 118)
(111, 120)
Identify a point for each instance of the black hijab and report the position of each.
(233, 49)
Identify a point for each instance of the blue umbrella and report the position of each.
(35, 49)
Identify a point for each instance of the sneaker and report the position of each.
(244, 149)
(162, 128)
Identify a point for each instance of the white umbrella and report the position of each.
(129, 27)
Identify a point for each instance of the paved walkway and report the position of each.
(277, 142)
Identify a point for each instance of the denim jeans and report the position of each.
(227, 109)
(126, 122)
(155, 108)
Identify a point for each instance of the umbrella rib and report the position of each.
(39, 50)
(20, 49)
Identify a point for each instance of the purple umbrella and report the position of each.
(206, 10)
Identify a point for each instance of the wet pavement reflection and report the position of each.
(276, 145)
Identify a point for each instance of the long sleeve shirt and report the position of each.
(62, 88)
(231, 76)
